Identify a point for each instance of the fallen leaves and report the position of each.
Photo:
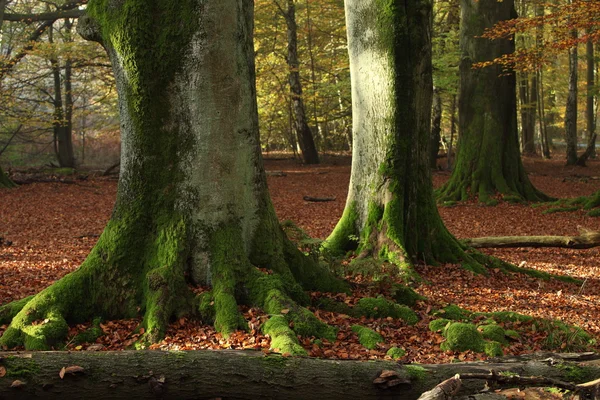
(46, 245)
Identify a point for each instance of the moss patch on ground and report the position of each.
(367, 337)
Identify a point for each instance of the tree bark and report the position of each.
(244, 375)
(571, 109)
(300, 123)
(63, 141)
(436, 129)
(5, 181)
(390, 206)
(584, 241)
(488, 159)
(192, 204)
(590, 114)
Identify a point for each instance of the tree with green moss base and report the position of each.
(390, 211)
(488, 159)
(192, 205)
(5, 181)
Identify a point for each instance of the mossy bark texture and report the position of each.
(252, 375)
(5, 181)
(390, 211)
(192, 204)
(488, 159)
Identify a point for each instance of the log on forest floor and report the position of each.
(250, 375)
(586, 240)
(318, 199)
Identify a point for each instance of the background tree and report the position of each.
(192, 204)
(488, 159)
(300, 123)
(571, 108)
(323, 58)
(390, 206)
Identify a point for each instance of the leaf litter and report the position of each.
(53, 226)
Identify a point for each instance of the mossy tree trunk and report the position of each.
(5, 181)
(192, 203)
(390, 210)
(488, 159)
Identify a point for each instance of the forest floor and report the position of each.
(53, 226)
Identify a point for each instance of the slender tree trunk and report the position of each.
(488, 159)
(300, 123)
(192, 203)
(543, 119)
(590, 112)
(63, 142)
(390, 205)
(449, 160)
(528, 112)
(436, 129)
(571, 109)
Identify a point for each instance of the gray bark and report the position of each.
(300, 123)
(571, 109)
(584, 241)
(244, 375)
(590, 114)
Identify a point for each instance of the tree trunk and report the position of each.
(252, 375)
(571, 109)
(488, 159)
(528, 98)
(590, 114)
(63, 143)
(5, 181)
(192, 204)
(450, 157)
(436, 129)
(543, 121)
(390, 205)
(300, 123)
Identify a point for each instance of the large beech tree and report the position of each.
(192, 205)
(488, 159)
(390, 206)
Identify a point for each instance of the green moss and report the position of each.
(560, 209)
(367, 337)
(493, 332)
(512, 334)
(416, 372)
(462, 337)
(577, 374)
(406, 295)
(19, 367)
(206, 307)
(344, 236)
(381, 308)
(594, 213)
(493, 349)
(395, 353)
(91, 334)
(513, 199)
(283, 339)
(8, 311)
(453, 312)
(325, 303)
(439, 325)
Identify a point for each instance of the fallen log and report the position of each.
(244, 375)
(318, 199)
(586, 240)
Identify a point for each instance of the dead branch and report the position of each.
(318, 199)
(586, 240)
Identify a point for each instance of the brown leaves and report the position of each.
(72, 370)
